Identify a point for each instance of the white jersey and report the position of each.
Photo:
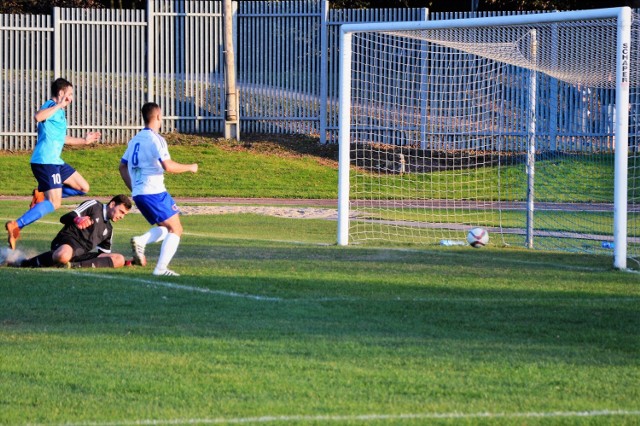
(143, 156)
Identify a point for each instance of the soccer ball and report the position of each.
(478, 237)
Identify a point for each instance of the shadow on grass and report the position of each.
(441, 303)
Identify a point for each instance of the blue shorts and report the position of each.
(50, 176)
(156, 208)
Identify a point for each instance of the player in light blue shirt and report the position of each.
(142, 168)
(56, 179)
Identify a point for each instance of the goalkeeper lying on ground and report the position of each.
(86, 228)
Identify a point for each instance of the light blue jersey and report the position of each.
(52, 133)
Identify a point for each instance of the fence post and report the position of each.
(229, 37)
(324, 65)
(56, 44)
(151, 50)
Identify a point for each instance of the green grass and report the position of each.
(552, 220)
(270, 319)
(271, 323)
(570, 179)
(224, 171)
(288, 168)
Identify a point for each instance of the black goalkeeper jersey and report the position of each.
(98, 235)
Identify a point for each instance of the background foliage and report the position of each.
(45, 6)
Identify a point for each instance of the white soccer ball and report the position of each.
(478, 237)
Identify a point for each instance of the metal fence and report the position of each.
(100, 51)
(172, 53)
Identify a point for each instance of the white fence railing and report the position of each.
(172, 54)
(287, 65)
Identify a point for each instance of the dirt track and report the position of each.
(288, 208)
(327, 208)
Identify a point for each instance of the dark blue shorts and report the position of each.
(50, 176)
(156, 208)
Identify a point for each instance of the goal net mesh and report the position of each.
(445, 123)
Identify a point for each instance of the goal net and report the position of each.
(516, 124)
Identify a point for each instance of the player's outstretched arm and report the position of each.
(90, 138)
(171, 166)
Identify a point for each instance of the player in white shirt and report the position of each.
(142, 168)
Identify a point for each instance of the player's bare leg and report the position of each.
(54, 196)
(75, 185)
(63, 254)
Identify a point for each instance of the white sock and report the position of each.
(168, 249)
(153, 235)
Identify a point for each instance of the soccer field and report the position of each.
(272, 323)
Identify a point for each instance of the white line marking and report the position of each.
(176, 286)
(365, 418)
(204, 290)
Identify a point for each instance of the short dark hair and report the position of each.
(148, 110)
(122, 199)
(58, 85)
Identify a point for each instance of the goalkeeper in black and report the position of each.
(85, 240)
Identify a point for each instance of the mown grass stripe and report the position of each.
(369, 417)
(489, 300)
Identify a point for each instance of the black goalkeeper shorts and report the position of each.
(80, 253)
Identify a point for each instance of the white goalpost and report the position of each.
(517, 124)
